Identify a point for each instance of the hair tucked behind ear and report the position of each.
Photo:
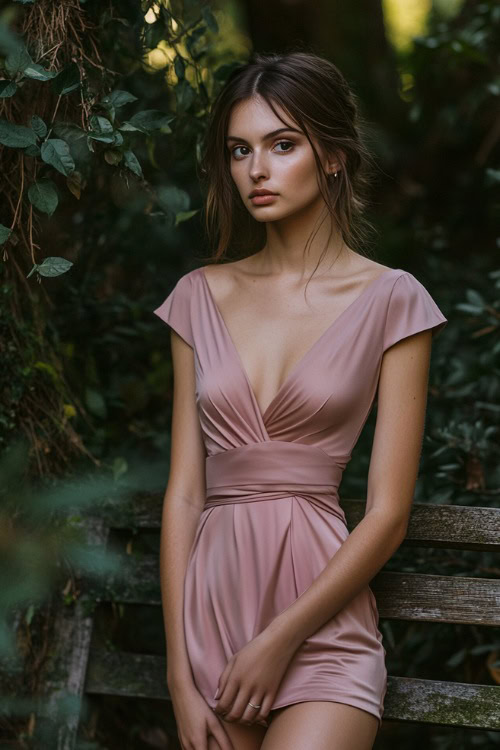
(314, 94)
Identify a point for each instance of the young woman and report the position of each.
(271, 625)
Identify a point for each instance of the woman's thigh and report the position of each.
(242, 737)
(323, 725)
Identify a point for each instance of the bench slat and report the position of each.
(442, 526)
(449, 526)
(434, 598)
(404, 596)
(408, 699)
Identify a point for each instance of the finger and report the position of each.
(223, 679)
(221, 736)
(240, 710)
(225, 705)
(225, 675)
(249, 713)
(265, 706)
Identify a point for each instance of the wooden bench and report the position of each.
(82, 669)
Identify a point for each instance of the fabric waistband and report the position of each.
(274, 469)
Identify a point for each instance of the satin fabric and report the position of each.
(272, 519)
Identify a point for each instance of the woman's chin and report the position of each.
(269, 214)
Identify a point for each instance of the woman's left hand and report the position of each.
(252, 674)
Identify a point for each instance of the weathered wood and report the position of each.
(432, 598)
(120, 673)
(403, 596)
(457, 704)
(408, 699)
(58, 712)
(449, 526)
(442, 526)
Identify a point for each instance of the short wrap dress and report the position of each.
(272, 518)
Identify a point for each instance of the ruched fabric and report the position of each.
(272, 519)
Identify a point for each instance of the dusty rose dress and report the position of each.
(272, 518)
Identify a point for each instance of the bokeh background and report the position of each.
(103, 106)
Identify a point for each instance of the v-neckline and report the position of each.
(301, 361)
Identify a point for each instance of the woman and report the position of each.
(272, 628)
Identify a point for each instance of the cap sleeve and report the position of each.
(411, 310)
(176, 309)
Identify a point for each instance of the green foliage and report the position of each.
(4, 233)
(41, 539)
(47, 562)
(111, 132)
(16, 136)
(51, 267)
(43, 195)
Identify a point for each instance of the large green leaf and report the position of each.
(7, 88)
(38, 126)
(101, 129)
(101, 138)
(17, 60)
(51, 266)
(16, 136)
(132, 163)
(118, 98)
(67, 80)
(56, 153)
(117, 138)
(38, 73)
(148, 120)
(4, 233)
(43, 195)
(100, 124)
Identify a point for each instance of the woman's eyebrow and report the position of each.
(266, 137)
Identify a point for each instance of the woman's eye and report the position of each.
(285, 143)
(280, 143)
(235, 149)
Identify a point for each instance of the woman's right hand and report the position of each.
(196, 721)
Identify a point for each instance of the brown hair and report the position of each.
(315, 94)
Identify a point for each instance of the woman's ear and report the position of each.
(336, 162)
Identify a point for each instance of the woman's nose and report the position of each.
(258, 167)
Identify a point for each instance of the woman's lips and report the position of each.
(262, 200)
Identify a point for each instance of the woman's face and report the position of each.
(283, 163)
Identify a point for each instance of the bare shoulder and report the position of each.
(365, 270)
(223, 277)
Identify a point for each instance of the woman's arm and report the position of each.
(394, 463)
(183, 504)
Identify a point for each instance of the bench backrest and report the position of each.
(418, 597)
